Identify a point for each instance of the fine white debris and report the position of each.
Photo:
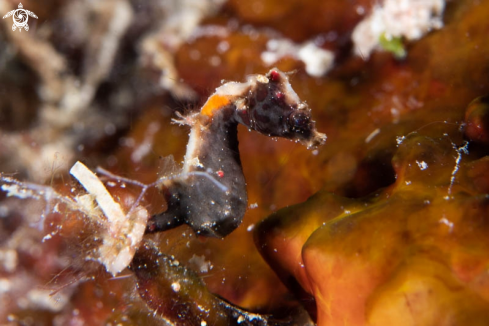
(5, 285)
(26, 190)
(460, 150)
(66, 114)
(422, 165)
(372, 135)
(262, 79)
(397, 18)
(445, 221)
(202, 265)
(121, 241)
(18, 191)
(4, 211)
(253, 206)
(318, 61)
(175, 286)
(145, 147)
(399, 140)
(123, 233)
(44, 299)
(8, 260)
(179, 24)
(96, 188)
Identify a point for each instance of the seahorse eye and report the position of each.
(274, 76)
(299, 120)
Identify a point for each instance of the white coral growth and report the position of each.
(397, 18)
(123, 232)
(318, 61)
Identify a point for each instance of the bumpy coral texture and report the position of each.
(411, 253)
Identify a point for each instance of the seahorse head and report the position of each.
(272, 107)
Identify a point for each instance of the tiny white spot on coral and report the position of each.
(422, 165)
(223, 46)
(447, 223)
(399, 140)
(5, 285)
(372, 135)
(202, 265)
(396, 115)
(175, 286)
(47, 237)
(215, 61)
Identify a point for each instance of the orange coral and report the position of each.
(415, 252)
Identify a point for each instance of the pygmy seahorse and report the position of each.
(210, 193)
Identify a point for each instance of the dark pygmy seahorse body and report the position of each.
(210, 193)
